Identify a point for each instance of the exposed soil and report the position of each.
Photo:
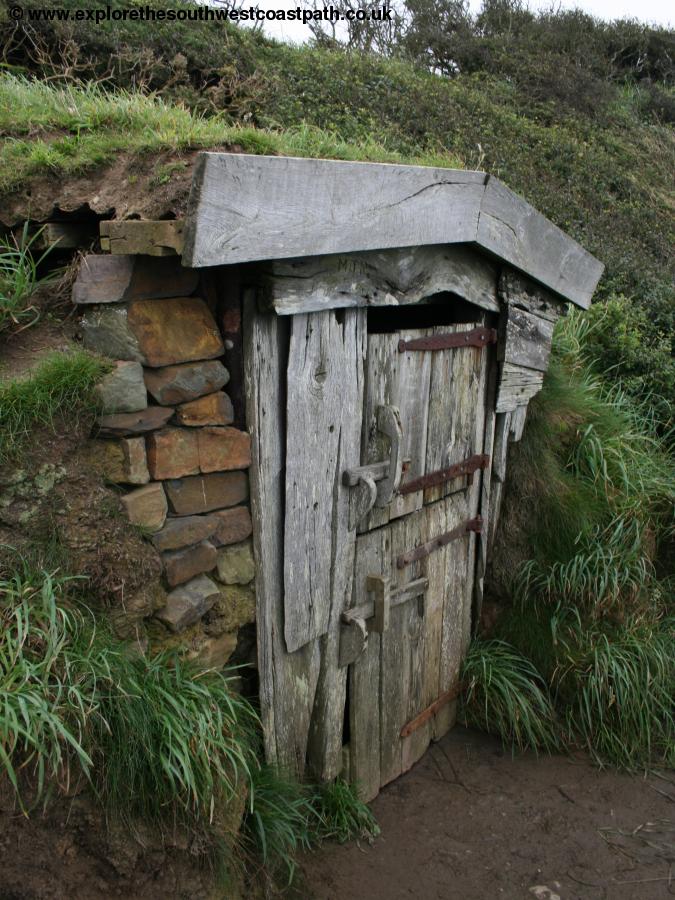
(69, 853)
(470, 822)
(127, 188)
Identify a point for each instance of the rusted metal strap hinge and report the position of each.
(430, 711)
(425, 549)
(466, 467)
(478, 337)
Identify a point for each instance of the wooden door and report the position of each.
(407, 665)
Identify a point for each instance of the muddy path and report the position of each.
(470, 822)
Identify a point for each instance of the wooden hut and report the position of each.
(385, 327)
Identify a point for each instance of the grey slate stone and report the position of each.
(185, 605)
(123, 389)
(106, 330)
(186, 381)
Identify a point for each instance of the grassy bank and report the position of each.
(155, 739)
(60, 391)
(582, 653)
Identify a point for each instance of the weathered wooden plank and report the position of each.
(434, 608)
(517, 233)
(381, 278)
(287, 681)
(501, 445)
(364, 677)
(517, 290)
(321, 378)
(325, 736)
(118, 279)
(69, 235)
(453, 401)
(400, 380)
(527, 339)
(518, 417)
(151, 238)
(413, 746)
(483, 496)
(517, 385)
(496, 495)
(246, 207)
(457, 577)
(395, 656)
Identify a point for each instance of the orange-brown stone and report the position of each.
(174, 331)
(213, 409)
(203, 493)
(172, 453)
(221, 449)
(234, 525)
(146, 506)
(182, 565)
(184, 531)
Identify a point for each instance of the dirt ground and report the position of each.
(470, 822)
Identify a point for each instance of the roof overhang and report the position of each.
(244, 208)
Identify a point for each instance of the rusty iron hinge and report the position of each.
(466, 467)
(425, 549)
(478, 337)
(431, 710)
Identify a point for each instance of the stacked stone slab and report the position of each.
(166, 437)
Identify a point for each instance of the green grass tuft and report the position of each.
(59, 389)
(157, 739)
(616, 689)
(19, 280)
(341, 815)
(286, 816)
(504, 695)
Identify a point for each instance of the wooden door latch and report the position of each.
(376, 611)
(378, 482)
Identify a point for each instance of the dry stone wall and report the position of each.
(166, 437)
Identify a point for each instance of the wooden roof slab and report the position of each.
(244, 208)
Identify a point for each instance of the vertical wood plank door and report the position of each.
(441, 395)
